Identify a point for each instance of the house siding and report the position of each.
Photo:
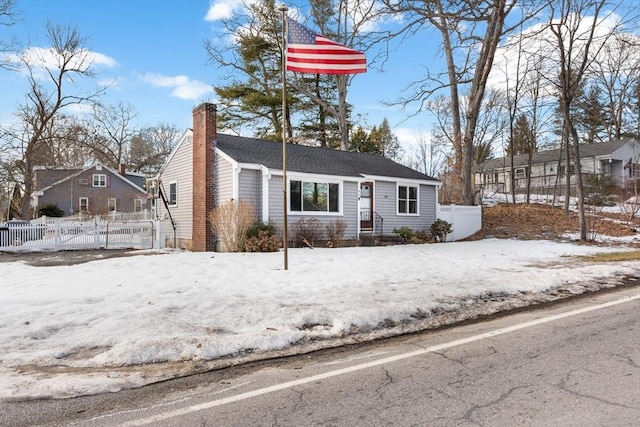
(250, 189)
(66, 194)
(385, 200)
(349, 210)
(496, 177)
(180, 171)
(224, 180)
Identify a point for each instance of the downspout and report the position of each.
(266, 177)
(358, 211)
(235, 192)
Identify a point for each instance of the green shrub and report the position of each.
(51, 210)
(259, 227)
(424, 236)
(405, 233)
(440, 228)
(263, 242)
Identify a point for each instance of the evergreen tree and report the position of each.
(254, 95)
(590, 114)
(360, 141)
(524, 137)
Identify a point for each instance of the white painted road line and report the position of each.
(387, 360)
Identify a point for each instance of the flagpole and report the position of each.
(284, 9)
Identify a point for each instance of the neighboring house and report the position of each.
(95, 189)
(618, 160)
(367, 192)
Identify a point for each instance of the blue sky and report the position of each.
(154, 52)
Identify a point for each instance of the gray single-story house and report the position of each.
(95, 189)
(618, 160)
(370, 194)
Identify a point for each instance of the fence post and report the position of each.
(96, 233)
(452, 236)
(157, 234)
(57, 233)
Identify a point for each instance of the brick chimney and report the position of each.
(122, 169)
(204, 135)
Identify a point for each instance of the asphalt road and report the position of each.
(570, 364)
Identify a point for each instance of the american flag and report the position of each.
(308, 52)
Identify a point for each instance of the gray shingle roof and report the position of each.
(302, 158)
(550, 156)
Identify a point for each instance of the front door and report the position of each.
(366, 206)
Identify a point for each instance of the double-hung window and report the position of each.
(111, 204)
(309, 196)
(83, 204)
(407, 199)
(173, 193)
(99, 180)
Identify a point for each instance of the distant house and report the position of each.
(618, 160)
(95, 189)
(206, 169)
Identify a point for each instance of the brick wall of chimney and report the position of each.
(204, 135)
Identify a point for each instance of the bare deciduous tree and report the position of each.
(110, 132)
(617, 72)
(65, 63)
(428, 156)
(577, 44)
(470, 31)
(150, 148)
(8, 18)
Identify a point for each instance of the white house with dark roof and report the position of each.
(206, 169)
(618, 160)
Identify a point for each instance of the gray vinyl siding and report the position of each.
(385, 199)
(66, 194)
(250, 189)
(223, 181)
(275, 202)
(349, 209)
(179, 170)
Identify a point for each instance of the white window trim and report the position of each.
(169, 193)
(320, 180)
(137, 205)
(115, 204)
(80, 199)
(403, 184)
(93, 180)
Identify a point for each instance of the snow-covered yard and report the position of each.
(104, 325)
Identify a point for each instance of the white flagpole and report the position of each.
(284, 9)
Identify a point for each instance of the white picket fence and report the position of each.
(60, 234)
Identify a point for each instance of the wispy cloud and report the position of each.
(47, 58)
(223, 9)
(183, 86)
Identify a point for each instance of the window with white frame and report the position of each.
(563, 169)
(137, 205)
(83, 204)
(173, 193)
(111, 204)
(520, 173)
(309, 196)
(407, 199)
(99, 180)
